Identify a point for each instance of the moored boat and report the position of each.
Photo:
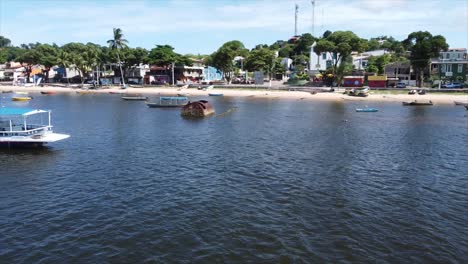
(48, 92)
(200, 108)
(367, 110)
(215, 94)
(460, 103)
(466, 107)
(25, 127)
(21, 98)
(416, 102)
(168, 101)
(134, 98)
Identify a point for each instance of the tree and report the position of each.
(63, 60)
(340, 44)
(423, 46)
(326, 34)
(223, 58)
(303, 44)
(260, 60)
(47, 57)
(27, 59)
(4, 42)
(118, 42)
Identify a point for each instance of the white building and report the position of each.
(320, 62)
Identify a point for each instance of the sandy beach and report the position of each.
(436, 98)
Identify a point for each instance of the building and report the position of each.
(452, 65)
(403, 71)
(320, 62)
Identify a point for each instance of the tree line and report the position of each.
(418, 48)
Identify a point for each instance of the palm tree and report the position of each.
(118, 43)
(63, 60)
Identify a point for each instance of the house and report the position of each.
(189, 74)
(320, 62)
(377, 81)
(403, 71)
(452, 65)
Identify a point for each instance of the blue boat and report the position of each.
(215, 94)
(367, 110)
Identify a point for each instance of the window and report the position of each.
(443, 68)
(447, 55)
(460, 68)
(449, 67)
(324, 56)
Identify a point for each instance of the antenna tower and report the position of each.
(295, 19)
(313, 17)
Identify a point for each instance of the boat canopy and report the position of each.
(173, 98)
(20, 111)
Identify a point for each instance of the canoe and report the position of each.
(215, 94)
(21, 93)
(459, 103)
(26, 98)
(9, 91)
(367, 110)
(415, 102)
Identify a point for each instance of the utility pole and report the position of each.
(313, 18)
(173, 74)
(295, 19)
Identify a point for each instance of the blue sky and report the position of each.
(202, 26)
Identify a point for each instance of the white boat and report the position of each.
(25, 127)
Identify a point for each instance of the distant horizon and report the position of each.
(201, 27)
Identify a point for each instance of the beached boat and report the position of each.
(200, 108)
(416, 102)
(215, 94)
(83, 92)
(25, 127)
(367, 110)
(48, 92)
(168, 101)
(22, 98)
(7, 91)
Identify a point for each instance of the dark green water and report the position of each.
(275, 181)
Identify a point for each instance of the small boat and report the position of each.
(48, 92)
(215, 94)
(134, 98)
(466, 107)
(21, 93)
(416, 102)
(9, 91)
(26, 127)
(459, 103)
(168, 101)
(367, 110)
(208, 88)
(18, 98)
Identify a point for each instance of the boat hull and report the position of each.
(215, 94)
(155, 105)
(136, 98)
(19, 99)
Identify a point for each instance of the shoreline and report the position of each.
(260, 93)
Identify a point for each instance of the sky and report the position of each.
(202, 26)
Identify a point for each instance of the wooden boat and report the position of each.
(18, 129)
(168, 101)
(134, 98)
(9, 91)
(416, 102)
(48, 92)
(367, 110)
(459, 103)
(200, 108)
(25, 98)
(215, 94)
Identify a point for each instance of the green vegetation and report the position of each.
(422, 46)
